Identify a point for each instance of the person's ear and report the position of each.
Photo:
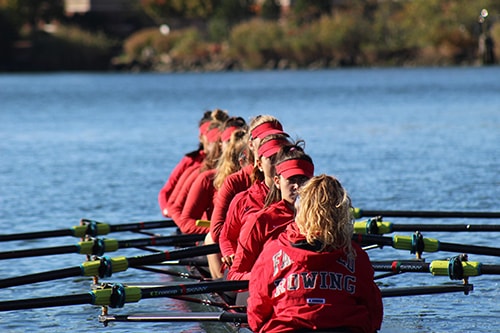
(276, 180)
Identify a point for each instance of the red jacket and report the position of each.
(188, 160)
(258, 229)
(232, 185)
(293, 288)
(199, 203)
(180, 193)
(243, 204)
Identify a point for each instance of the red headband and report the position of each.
(290, 168)
(266, 129)
(271, 147)
(204, 127)
(213, 135)
(226, 135)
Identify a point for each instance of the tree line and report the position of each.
(249, 34)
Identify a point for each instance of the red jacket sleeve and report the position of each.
(184, 164)
(179, 196)
(260, 305)
(232, 185)
(199, 203)
(228, 239)
(250, 243)
(256, 230)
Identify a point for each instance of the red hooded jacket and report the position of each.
(258, 229)
(233, 184)
(292, 287)
(181, 191)
(199, 203)
(243, 204)
(187, 161)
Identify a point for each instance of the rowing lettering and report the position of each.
(316, 280)
(321, 280)
(281, 261)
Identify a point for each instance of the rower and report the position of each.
(260, 127)
(313, 277)
(189, 161)
(251, 200)
(293, 168)
(213, 152)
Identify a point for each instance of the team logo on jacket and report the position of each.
(320, 280)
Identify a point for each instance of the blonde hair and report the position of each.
(324, 214)
(230, 159)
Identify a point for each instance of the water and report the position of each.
(101, 146)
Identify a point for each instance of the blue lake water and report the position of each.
(100, 146)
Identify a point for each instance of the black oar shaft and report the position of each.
(437, 267)
(446, 228)
(399, 267)
(35, 235)
(105, 268)
(425, 214)
(46, 302)
(228, 317)
(195, 288)
(39, 252)
(490, 269)
(428, 245)
(470, 249)
(173, 255)
(425, 290)
(91, 228)
(160, 241)
(143, 225)
(117, 295)
(99, 247)
(41, 277)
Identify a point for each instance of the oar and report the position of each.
(359, 213)
(376, 226)
(106, 266)
(238, 318)
(91, 228)
(455, 268)
(426, 290)
(222, 316)
(416, 244)
(100, 246)
(117, 295)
